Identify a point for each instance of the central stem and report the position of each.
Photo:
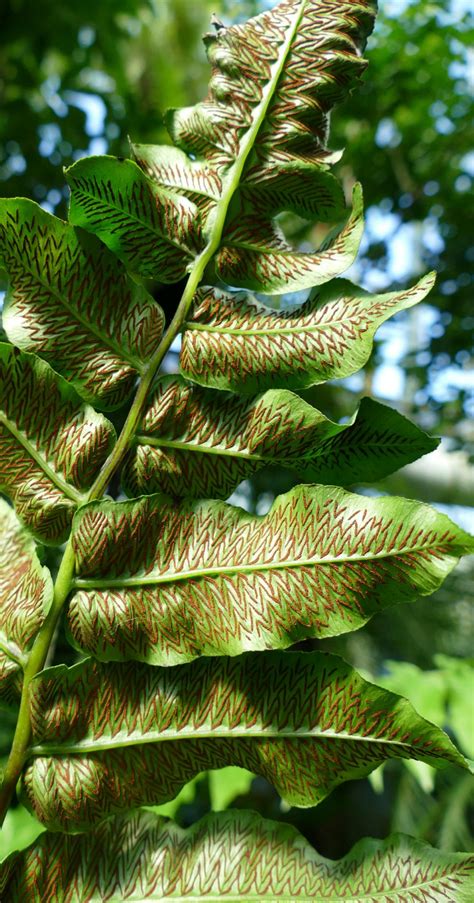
(65, 576)
(64, 579)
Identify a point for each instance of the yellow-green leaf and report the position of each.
(164, 583)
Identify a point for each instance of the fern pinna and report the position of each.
(179, 604)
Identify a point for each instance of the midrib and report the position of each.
(283, 330)
(136, 738)
(231, 181)
(88, 325)
(48, 471)
(203, 449)
(192, 574)
(223, 451)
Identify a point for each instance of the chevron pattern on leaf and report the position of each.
(70, 301)
(194, 442)
(301, 188)
(234, 342)
(298, 60)
(305, 721)
(172, 169)
(257, 136)
(255, 256)
(51, 444)
(164, 583)
(304, 189)
(26, 592)
(154, 231)
(234, 854)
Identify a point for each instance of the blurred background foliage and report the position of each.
(78, 79)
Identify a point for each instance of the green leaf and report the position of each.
(155, 232)
(304, 721)
(51, 444)
(164, 583)
(236, 343)
(70, 301)
(249, 150)
(425, 689)
(186, 795)
(172, 169)
(458, 674)
(197, 442)
(439, 694)
(269, 84)
(427, 693)
(26, 592)
(19, 830)
(256, 255)
(235, 855)
(270, 93)
(225, 784)
(302, 188)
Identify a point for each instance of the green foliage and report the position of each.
(197, 443)
(129, 60)
(166, 591)
(411, 120)
(239, 856)
(439, 694)
(246, 711)
(239, 344)
(321, 562)
(26, 592)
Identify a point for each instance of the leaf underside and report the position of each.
(196, 443)
(155, 232)
(51, 444)
(159, 582)
(236, 343)
(234, 855)
(262, 130)
(164, 583)
(254, 147)
(256, 255)
(305, 721)
(26, 592)
(295, 61)
(70, 301)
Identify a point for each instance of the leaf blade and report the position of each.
(265, 63)
(194, 442)
(154, 232)
(206, 578)
(234, 855)
(239, 345)
(304, 721)
(51, 444)
(26, 592)
(69, 300)
(269, 264)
